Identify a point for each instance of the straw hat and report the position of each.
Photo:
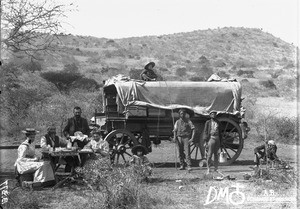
(150, 63)
(30, 131)
(139, 148)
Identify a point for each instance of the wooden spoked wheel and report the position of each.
(232, 141)
(120, 143)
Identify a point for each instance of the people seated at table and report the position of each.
(140, 161)
(51, 141)
(28, 162)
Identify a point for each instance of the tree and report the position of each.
(30, 26)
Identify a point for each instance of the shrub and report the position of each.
(121, 185)
(135, 73)
(32, 66)
(197, 78)
(223, 74)
(281, 129)
(268, 84)
(181, 71)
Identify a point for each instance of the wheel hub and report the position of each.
(121, 148)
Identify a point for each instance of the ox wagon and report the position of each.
(138, 112)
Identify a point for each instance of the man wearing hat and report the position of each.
(184, 132)
(211, 135)
(260, 152)
(148, 74)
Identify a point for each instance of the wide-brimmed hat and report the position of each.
(212, 111)
(137, 148)
(30, 131)
(271, 142)
(150, 63)
(186, 110)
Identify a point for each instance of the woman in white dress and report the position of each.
(28, 162)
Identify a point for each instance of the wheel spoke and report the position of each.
(227, 153)
(121, 141)
(196, 152)
(225, 130)
(123, 158)
(231, 130)
(127, 153)
(193, 149)
(232, 150)
(118, 156)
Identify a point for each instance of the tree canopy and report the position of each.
(30, 26)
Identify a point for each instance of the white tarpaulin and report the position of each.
(201, 97)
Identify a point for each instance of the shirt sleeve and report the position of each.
(43, 142)
(176, 126)
(191, 124)
(22, 153)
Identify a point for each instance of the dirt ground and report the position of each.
(195, 189)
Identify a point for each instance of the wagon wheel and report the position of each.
(232, 141)
(195, 153)
(120, 142)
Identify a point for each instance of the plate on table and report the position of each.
(86, 151)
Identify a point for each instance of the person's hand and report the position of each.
(191, 140)
(258, 155)
(174, 139)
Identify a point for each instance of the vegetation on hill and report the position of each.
(37, 92)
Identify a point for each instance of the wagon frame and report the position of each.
(125, 126)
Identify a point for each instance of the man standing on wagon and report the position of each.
(184, 132)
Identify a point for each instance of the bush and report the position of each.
(268, 84)
(181, 71)
(135, 73)
(281, 129)
(121, 185)
(32, 66)
(197, 78)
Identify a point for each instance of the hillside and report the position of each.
(71, 76)
(218, 49)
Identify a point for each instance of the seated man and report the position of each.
(148, 74)
(51, 140)
(261, 152)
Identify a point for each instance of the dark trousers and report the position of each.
(213, 148)
(184, 150)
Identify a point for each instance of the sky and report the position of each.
(133, 18)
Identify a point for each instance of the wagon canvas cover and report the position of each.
(201, 97)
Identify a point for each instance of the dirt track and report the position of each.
(163, 157)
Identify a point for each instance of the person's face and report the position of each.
(182, 114)
(96, 137)
(212, 115)
(77, 113)
(31, 137)
(139, 153)
(52, 131)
